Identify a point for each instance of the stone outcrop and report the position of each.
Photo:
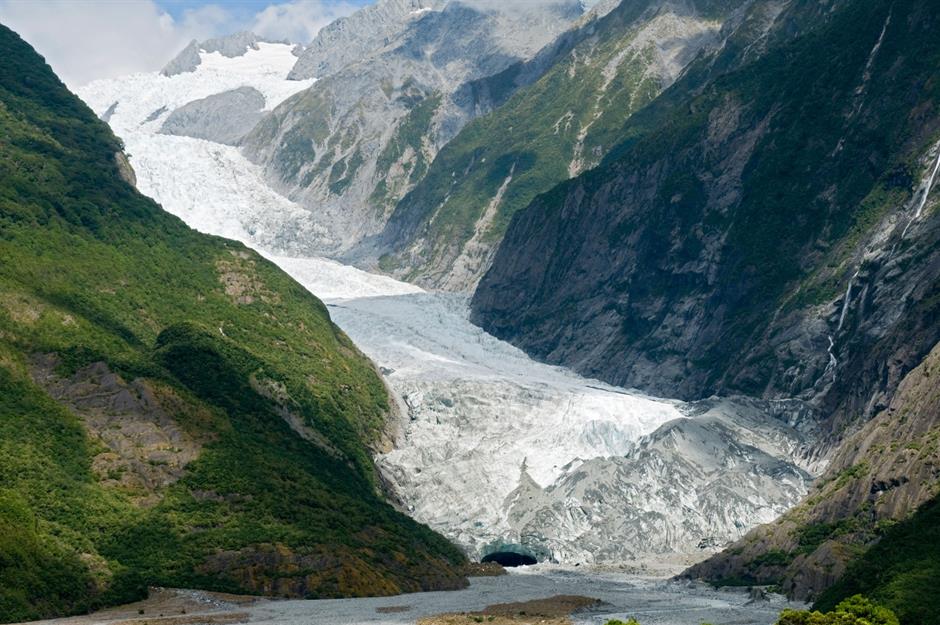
(223, 117)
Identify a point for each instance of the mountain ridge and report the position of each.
(445, 231)
(349, 146)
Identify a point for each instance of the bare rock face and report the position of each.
(351, 38)
(223, 117)
(186, 61)
(146, 447)
(124, 169)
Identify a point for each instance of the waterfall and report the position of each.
(923, 198)
(866, 74)
(847, 300)
(833, 363)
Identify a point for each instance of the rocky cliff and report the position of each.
(350, 39)
(223, 117)
(766, 228)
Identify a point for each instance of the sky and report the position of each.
(84, 40)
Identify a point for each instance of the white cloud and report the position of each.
(298, 21)
(84, 40)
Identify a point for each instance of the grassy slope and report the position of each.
(92, 271)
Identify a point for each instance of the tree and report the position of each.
(856, 610)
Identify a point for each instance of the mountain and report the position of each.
(730, 201)
(231, 46)
(352, 144)
(476, 410)
(174, 409)
(445, 231)
(736, 243)
(768, 226)
(349, 39)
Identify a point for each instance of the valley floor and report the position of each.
(650, 601)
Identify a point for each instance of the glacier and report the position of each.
(489, 445)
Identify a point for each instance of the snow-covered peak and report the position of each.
(145, 99)
(233, 45)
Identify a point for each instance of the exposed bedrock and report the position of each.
(223, 117)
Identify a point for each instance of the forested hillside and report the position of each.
(174, 410)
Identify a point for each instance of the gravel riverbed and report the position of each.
(650, 601)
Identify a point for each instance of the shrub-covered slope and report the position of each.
(901, 571)
(174, 410)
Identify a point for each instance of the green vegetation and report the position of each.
(297, 147)
(224, 342)
(406, 147)
(812, 535)
(855, 610)
(572, 114)
(900, 571)
(774, 557)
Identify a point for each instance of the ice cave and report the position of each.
(509, 554)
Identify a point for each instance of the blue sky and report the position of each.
(84, 40)
(248, 7)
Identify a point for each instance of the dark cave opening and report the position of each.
(509, 558)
